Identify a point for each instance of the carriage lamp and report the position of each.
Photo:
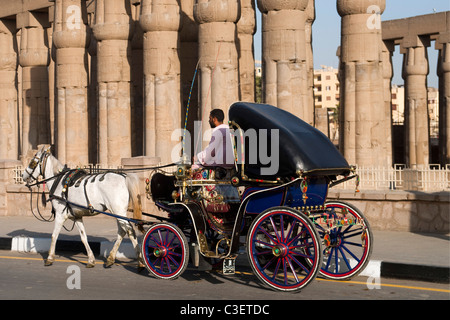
(175, 195)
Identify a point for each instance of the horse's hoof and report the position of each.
(48, 262)
(140, 268)
(90, 265)
(108, 264)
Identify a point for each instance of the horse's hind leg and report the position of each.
(121, 232)
(134, 241)
(82, 230)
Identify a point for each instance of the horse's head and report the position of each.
(35, 167)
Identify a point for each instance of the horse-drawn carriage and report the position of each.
(274, 206)
(292, 232)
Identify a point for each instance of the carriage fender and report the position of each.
(195, 211)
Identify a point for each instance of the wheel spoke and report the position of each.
(344, 257)
(274, 229)
(351, 253)
(264, 243)
(267, 234)
(292, 270)
(301, 265)
(269, 263)
(275, 272)
(329, 259)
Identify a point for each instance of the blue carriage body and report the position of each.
(291, 196)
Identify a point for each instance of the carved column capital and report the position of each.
(276, 5)
(351, 7)
(160, 15)
(69, 29)
(216, 11)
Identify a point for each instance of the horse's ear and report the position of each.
(46, 148)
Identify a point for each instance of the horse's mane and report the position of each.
(58, 166)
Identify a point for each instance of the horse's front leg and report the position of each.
(82, 230)
(60, 218)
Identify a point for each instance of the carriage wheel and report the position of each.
(165, 251)
(284, 249)
(348, 245)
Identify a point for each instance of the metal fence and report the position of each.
(399, 177)
(90, 168)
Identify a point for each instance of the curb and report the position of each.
(34, 245)
(375, 268)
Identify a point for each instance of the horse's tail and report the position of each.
(133, 188)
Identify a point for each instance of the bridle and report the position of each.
(36, 162)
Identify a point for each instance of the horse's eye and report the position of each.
(33, 164)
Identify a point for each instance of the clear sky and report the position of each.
(327, 28)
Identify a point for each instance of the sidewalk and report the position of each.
(395, 254)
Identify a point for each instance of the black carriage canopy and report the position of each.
(301, 147)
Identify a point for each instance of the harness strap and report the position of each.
(69, 204)
(91, 208)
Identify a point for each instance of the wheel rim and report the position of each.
(347, 245)
(282, 246)
(164, 251)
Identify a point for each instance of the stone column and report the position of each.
(415, 71)
(9, 147)
(388, 48)
(71, 40)
(137, 81)
(160, 21)
(246, 28)
(443, 44)
(363, 136)
(310, 17)
(34, 58)
(285, 68)
(218, 70)
(113, 29)
(92, 93)
(189, 62)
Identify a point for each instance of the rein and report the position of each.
(66, 172)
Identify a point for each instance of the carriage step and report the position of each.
(210, 254)
(203, 243)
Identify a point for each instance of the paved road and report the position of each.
(23, 276)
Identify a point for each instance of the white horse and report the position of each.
(109, 191)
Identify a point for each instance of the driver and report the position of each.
(219, 152)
